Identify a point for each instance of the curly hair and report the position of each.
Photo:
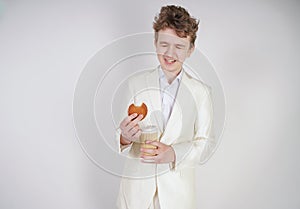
(178, 19)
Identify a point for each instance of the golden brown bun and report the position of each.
(138, 109)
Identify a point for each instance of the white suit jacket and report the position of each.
(188, 131)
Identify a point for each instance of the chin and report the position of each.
(175, 68)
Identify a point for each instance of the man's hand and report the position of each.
(130, 130)
(162, 154)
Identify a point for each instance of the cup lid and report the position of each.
(149, 129)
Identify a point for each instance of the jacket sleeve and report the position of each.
(201, 147)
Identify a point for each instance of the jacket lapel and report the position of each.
(153, 93)
(174, 124)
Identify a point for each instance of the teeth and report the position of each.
(170, 60)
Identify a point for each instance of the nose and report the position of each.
(171, 52)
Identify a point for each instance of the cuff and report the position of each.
(181, 151)
(120, 148)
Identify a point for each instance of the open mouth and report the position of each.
(169, 61)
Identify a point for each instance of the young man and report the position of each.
(164, 177)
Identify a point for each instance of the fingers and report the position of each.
(148, 159)
(134, 122)
(149, 151)
(155, 143)
(133, 134)
(130, 121)
(137, 135)
(134, 130)
(132, 118)
(158, 155)
(130, 128)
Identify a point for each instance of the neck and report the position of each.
(171, 75)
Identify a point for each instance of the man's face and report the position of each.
(172, 50)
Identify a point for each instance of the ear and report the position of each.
(190, 51)
(155, 42)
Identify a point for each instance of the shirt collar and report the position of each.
(162, 76)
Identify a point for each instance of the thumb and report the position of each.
(155, 143)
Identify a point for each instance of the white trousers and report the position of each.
(155, 202)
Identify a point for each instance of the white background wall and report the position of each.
(44, 45)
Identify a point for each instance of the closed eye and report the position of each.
(163, 44)
(180, 46)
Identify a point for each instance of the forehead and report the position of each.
(169, 36)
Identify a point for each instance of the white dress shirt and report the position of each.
(168, 94)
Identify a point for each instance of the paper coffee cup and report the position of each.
(149, 133)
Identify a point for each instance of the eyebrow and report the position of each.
(180, 45)
(164, 42)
